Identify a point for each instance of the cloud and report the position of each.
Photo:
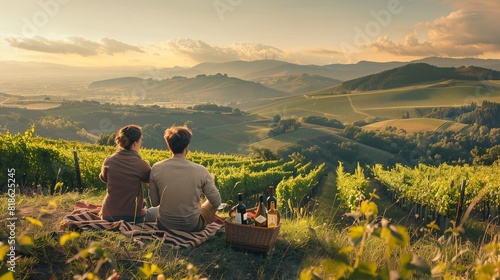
(470, 30)
(72, 45)
(111, 46)
(322, 51)
(200, 51)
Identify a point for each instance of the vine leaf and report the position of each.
(67, 237)
(365, 270)
(369, 208)
(356, 234)
(34, 221)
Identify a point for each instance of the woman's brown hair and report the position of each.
(127, 135)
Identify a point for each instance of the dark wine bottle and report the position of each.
(271, 198)
(261, 213)
(241, 211)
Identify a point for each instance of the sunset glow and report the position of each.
(184, 33)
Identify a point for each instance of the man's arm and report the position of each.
(211, 191)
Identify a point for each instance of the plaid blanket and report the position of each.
(85, 217)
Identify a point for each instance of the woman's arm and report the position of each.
(103, 176)
(154, 196)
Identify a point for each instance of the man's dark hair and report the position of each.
(178, 138)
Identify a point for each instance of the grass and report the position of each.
(213, 259)
(307, 241)
(335, 107)
(232, 138)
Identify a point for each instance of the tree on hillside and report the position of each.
(450, 113)
(352, 131)
(58, 123)
(152, 136)
(262, 153)
(210, 107)
(324, 121)
(236, 111)
(284, 125)
(106, 139)
(487, 157)
(488, 114)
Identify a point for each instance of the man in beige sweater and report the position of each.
(177, 185)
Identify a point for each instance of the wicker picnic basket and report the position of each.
(251, 237)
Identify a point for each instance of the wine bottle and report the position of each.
(271, 197)
(241, 211)
(261, 213)
(272, 217)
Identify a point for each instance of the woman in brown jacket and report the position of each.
(124, 172)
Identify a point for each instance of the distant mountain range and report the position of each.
(256, 70)
(222, 89)
(415, 73)
(58, 72)
(247, 70)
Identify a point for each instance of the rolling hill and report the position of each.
(380, 104)
(298, 84)
(218, 88)
(414, 73)
(117, 82)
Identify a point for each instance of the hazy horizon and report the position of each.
(174, 33)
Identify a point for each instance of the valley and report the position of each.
(88, 111)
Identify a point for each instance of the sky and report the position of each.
(168, 33)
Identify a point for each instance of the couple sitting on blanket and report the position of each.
(175, 184)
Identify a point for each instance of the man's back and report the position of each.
(177, 184)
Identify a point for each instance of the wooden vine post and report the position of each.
(460, 201)
(78, 173)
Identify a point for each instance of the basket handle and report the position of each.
(233, 209)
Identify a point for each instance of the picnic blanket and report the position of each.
(85, 217)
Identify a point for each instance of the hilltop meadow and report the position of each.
(341, 160)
